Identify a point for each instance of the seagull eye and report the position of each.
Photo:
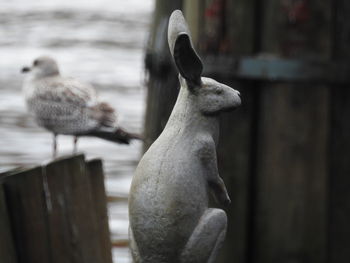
(36, 62)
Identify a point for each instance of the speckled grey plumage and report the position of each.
(67, 106)
(63, 105)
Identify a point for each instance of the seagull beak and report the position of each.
(25, 69)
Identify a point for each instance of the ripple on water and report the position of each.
(92, 41)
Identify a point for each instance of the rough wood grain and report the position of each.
(71, 221)
(27, 209)
(163, 84)
(235, 153)
(292, 175)
(292, 165)
(57, 213)
(99, 199)
(339, 205)
(7, 248)
(234, 160)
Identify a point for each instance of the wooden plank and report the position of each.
(292, 166)
(236, 128)
(275, 69)
(99, 199)
(163, 81)
(235, 36)
(7, 248)
(292, 170)
(72, 225)
(298, 29)
(339, 205)
(242, 33)
(191, 10)
(339, 229)
(27, 209)
(234, 160)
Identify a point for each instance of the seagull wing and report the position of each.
(65, 91)
(68, 106)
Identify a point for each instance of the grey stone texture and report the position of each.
(170, 220)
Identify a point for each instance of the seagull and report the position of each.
(67, 106)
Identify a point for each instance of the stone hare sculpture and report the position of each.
(168, 205)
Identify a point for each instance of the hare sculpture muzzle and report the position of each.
(168, 205)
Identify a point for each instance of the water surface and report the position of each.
(100, 42)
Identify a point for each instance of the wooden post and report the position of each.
(292, 166)
(28, 216)
(285, 157)
(235, 155)
(57, 213)
(99, 199)
(163, 82)
(339, 205)
(72, 225)
(192, 11)
(7, 249)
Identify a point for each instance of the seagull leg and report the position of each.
(54, 150)
(75, 145)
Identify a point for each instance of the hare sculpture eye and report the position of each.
(218, 91)
(170, 220)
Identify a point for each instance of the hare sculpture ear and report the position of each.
(186, 59)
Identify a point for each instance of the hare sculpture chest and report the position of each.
(168, 205)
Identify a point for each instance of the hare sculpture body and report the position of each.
(168, 206)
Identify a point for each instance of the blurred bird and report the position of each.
(68, 106)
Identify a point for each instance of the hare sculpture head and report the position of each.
(168, 205)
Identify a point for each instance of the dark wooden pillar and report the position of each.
(28, 216)
(99, 206)
(292, 150)
(339, 180)
(236, 37)
(284, 155)
(7, 248)
(163, 83)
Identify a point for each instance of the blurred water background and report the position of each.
(97, 41)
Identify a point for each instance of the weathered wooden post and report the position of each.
(237, 35)
(55, 213)
(285, 153)
(292, 158)
(168, 204)
(339, 180)
(162, 80)
(7, 248)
